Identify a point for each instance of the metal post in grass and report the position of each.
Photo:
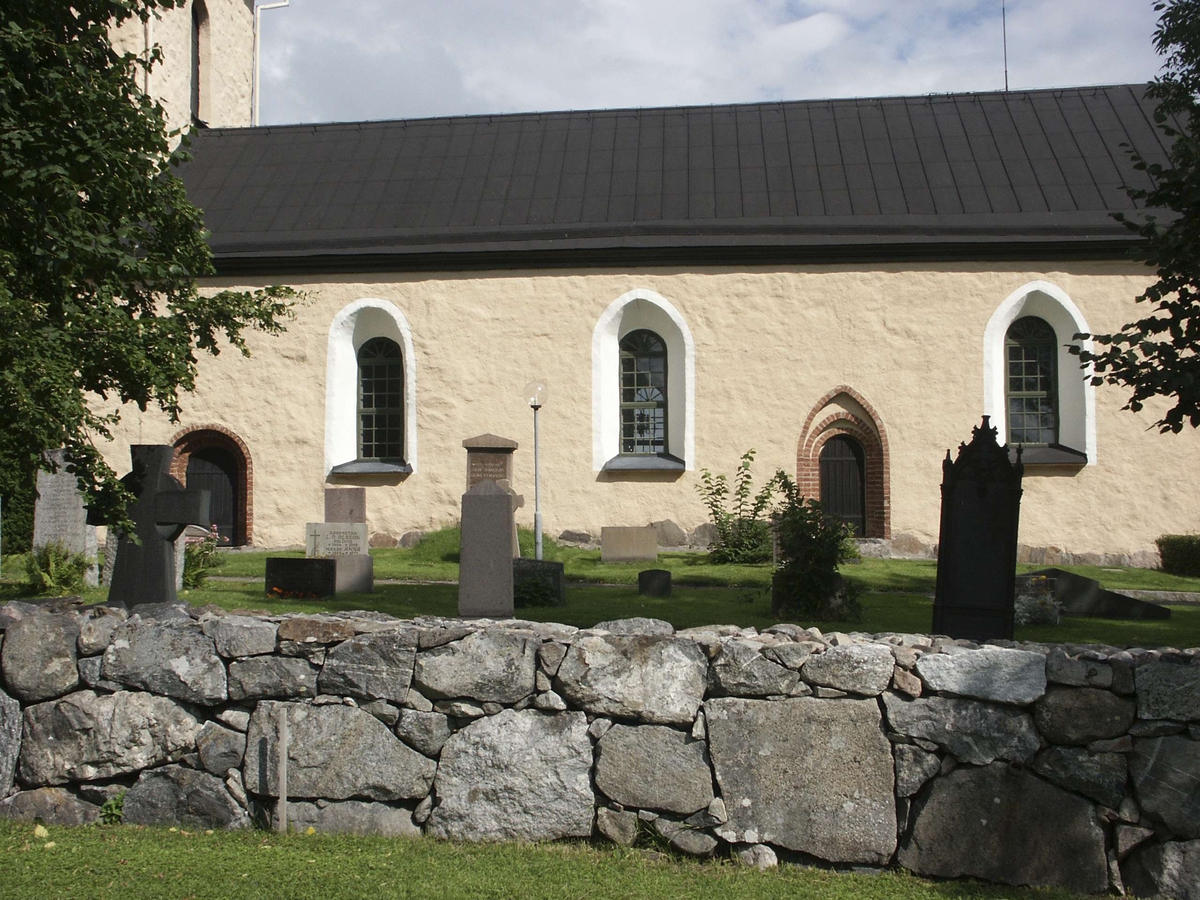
(281, 815)
(535, 396)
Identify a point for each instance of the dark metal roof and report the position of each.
(1022, 174)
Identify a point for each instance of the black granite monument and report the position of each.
(145, 571)
(977, 549)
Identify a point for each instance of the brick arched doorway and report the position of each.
(214, 458)
(845, 418)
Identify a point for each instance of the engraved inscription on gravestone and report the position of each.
(489, 458)
(59, 515)
(324, 539)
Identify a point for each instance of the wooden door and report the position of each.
(843, 482)
(215, 469)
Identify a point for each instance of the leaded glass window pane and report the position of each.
(1031, 383)
(380, 400)
(643, 393)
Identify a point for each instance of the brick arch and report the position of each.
(201, 437)
(871, 434)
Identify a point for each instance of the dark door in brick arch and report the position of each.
(216, 470)
(843, 482)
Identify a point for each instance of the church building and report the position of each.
(843, 286)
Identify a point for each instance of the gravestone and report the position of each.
(628, 543)
(301, 579)
(489, 458)
(977, 547)
(1081, 596)
(654, 583)
(346, 504)
(541, 571)
(346, 544)
(144, 572)
(59, 515)
(485, 581)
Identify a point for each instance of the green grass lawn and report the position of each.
(124, 862)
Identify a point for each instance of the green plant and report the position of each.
(1035, 603)
(1180, 554)
(534, 592)
(198, 557)
(742, 534)
(112, 811)
(811, 546)
(53, 569)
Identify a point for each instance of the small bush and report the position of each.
(811, 547)
(742, 534)
(1180, 554)
(198, 557)
(1035, 603)
(113, 810)
(55, 570)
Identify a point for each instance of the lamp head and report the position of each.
(536, 393)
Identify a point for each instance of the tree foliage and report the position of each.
(100, 249)
(1159, 355)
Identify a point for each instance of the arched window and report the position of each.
(1031, 382)
(843, 482)
(380, 401)
(643, 393)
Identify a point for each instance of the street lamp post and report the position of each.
(535, 396)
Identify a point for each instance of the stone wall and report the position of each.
(1017, 763)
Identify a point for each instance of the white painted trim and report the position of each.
(612, 324)
(346, 335)
(1076, 395)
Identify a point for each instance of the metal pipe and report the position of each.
(281, 824)
(254, 82)
(537, 489)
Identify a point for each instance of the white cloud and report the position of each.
(326, 60)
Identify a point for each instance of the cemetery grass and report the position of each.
(689, 607)
(130, 861)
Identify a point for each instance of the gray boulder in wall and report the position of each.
(1100, 776)
(10, 741)
(516, 776)
(277, 677)
(1165, 870)
(221, 749)
(39, 657)
(1168, 690)
(653, 679)
(859, 668)
(487, 666)
(238, 636)
(352, 817)
(1072, 715)
(1003, 824)
(741, 670)
(974, 731)
(334, 753)
(175, 795)
(998, 674)
(50, 806)
(87, 736)
(810, 775)
(1166, 777)
(654, 767)
(373, 666)
(172, 659)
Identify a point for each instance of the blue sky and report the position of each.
(343, 60)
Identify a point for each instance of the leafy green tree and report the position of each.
(1159, 355)
(100, 250)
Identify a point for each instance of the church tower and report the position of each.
(207, 71)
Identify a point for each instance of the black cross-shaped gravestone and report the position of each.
(145, 571)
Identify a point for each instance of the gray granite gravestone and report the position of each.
(622, 543)
(485, 580)
(489, 458)
(346, 504)
(60, 517)
(145, 572)
(654, 583)
(977, 548)
(539, 572)
(346, 544)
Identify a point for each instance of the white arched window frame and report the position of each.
(353, 326)
(641, 308)
(1076, 395)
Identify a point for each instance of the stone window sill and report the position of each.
(372, 467)
(1049, 455)
(635, 462)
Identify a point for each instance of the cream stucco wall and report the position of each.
(226, 80)
(769, 344)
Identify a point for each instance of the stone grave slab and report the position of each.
(628, 544)
(355, 574)
(301, 579)
(546, 571)
(328, 539)
(60, 517)
(346, 504)
(485, 581)
(1081, 596)
(654, 583)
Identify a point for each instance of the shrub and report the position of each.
(534, 592)
(1180, 554)
(113, 810)
(198, 557)
(742, 534)
(53, 569)
(811, 546)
